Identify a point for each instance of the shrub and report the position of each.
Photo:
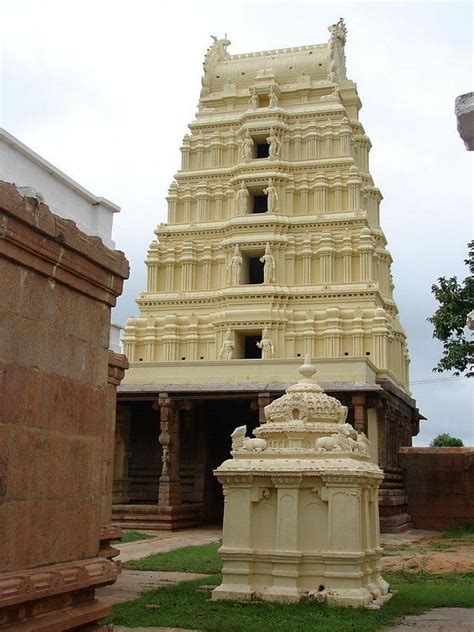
(445, 440)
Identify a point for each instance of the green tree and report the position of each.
(456, 301)
(445, 440)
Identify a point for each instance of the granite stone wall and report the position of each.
(440, 485)
(56, 421)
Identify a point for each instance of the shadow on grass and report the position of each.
(182, 606)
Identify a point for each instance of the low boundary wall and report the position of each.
(439, 483)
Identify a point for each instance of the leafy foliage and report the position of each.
(445, 440)
(456, 301)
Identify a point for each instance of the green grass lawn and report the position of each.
(190, 559)
(181, 606)
(132, 536)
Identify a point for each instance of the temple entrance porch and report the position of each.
(169, 442)
(166, 449)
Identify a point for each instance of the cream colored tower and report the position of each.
(273, 247)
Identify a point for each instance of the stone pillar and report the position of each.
(345, 134)
(321, 194)
(216, 153)
(236, 534)
(219, 197)
(169, 262)
(121, 455)
(306, 252)
(304, 197)
(357, 335)
(286, 571)
(263, 400)
(192, 338)
(380, 333)
(346, 252)
(118, 364)
(170, 481)
(185, 153)
(187, 265)
(366, 253)
(187, 198)
(169, 338)
(354, 185)
(309, 335)
(296, 145)
(328, 143)
(199, 153)
(202, 205)
(337, 187)
(359, 401)
(172, 200)
(326, 253)
(333, 333)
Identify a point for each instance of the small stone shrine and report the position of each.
(301, 512)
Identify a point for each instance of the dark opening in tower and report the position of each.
(255, 270)
(262, 150)
(259, 203)
(251, 351)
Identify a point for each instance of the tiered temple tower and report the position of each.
(273, 250)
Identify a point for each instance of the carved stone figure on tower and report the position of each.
(227, 349)
(242, 199)
(272, 196)
(246, 147)
(253, 101)
(266, 345)
(273, 101)
(233, 269)
(215, 53)
(268, 265)
(274, 145)
(338, 31)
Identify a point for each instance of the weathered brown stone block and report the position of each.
(56, 417)
(439, 484)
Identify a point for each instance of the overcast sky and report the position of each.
(105, 90)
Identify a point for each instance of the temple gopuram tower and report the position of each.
(273, 250)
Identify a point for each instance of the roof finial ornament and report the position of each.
(307, 370)
(215, 53)
(338, 31)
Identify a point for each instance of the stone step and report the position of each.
(392, 492)
(395, 520)
(398, 529)
(393, 501)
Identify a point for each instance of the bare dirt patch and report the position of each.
(430, 554)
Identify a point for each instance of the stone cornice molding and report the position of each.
(28, 585)
(54, 247)
(118, 364)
